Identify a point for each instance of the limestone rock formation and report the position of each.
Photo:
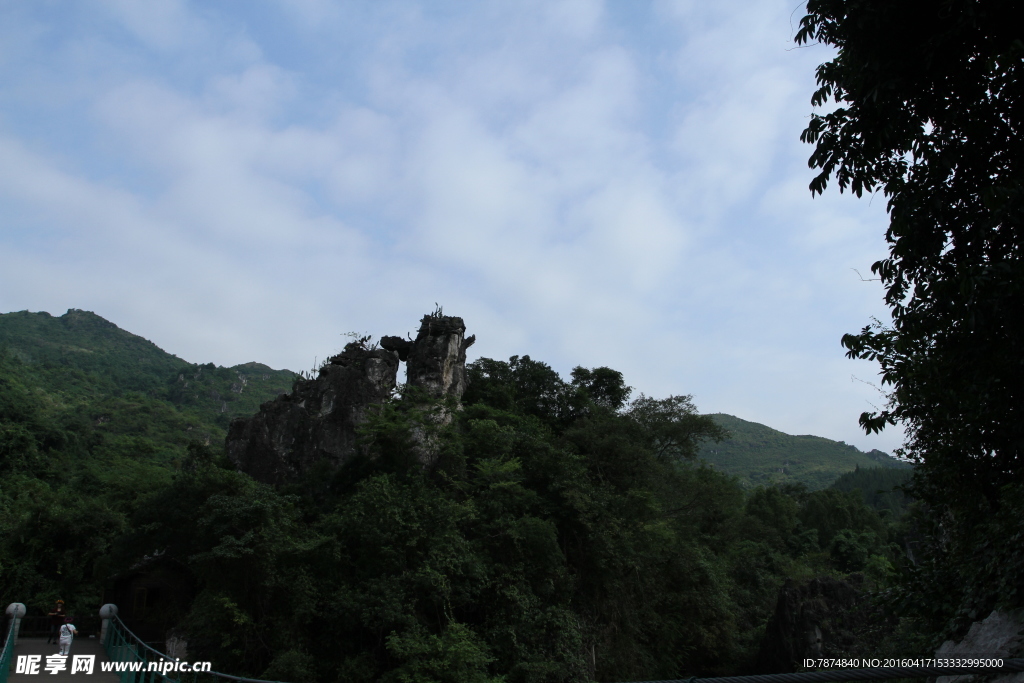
(437, 359)
(398, 345)
(817, 619)
(1000, 635)
(317, 422)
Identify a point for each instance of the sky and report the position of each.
(590, 183)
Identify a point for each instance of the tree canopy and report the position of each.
(929, 107)
(564, 533)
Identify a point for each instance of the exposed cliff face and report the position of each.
(317, 422)
(437, 358)
(818, 619)
(999, 635)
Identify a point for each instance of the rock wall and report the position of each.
(829, 617)
(437, 360)
(999, 635)
(317, 421)
(817, 619)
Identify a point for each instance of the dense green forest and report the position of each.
(881, 488)
(92, 420)
(80, 359)
(565, 532)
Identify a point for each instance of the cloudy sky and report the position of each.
(590, 183)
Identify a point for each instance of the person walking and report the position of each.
(57, 616)
(67, 634)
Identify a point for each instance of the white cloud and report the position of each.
(253, 185)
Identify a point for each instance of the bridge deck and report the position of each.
(82, 645)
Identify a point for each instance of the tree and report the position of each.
(534, 388)
(671, 427)
(930, 103)
(603, 385)
(930, 112)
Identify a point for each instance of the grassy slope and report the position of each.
(127, 387)
(761, 455)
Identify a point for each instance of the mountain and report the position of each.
(129, 390)
(142, 399)
(760, 455)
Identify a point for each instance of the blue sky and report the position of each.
(589, 183)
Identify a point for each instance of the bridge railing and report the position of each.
(39, 626)
(8, 651)
(142, 663)
(15, 613)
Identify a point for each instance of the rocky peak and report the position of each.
(318, 420)
(437, 359)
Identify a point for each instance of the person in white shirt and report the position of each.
(67, 634)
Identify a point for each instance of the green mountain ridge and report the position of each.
(760, 456)
(126, 386)
(129, 388)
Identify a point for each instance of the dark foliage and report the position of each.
(92, 420)
(879, 487)
(931, 108)
(563, 532)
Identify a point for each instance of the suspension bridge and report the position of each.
(116, 655)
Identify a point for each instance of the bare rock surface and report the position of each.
(819, 618)
(998, 635)
(437, 359)
(317, 422)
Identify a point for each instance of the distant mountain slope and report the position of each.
(85, 342)
(760, 455)
(127, 386)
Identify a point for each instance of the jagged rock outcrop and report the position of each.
(437, 368)
(437, 359)
(817, 619)
(317, 422)
(999, 635)
(398, 345)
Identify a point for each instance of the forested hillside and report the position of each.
(564, 532)
(131, 391)
(760, 456)
(93, 419)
